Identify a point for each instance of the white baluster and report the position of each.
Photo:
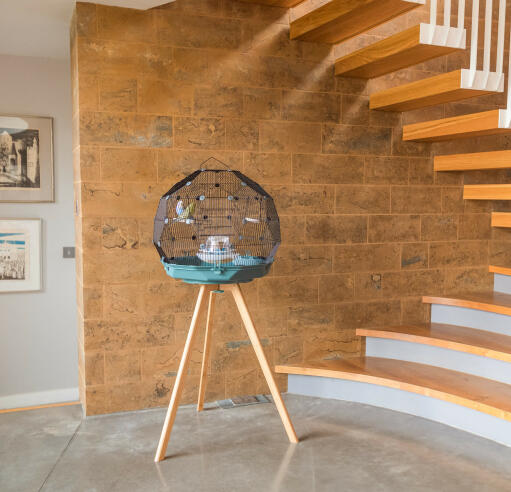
(432, 13)
(474, 40)
(447, 13)
(461, 14)
(501, 37)
(487, 35)
(508, 110)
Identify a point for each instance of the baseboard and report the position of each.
(21, 400)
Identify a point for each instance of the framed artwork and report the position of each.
(26, 159)
(20, 255)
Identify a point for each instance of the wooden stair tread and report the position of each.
(500, 159)
(460, 338)
(500, 270)
(276, 3)
(338, 20)
(484, 395)
(501, 219)
(487, 192)
(493, 302)
(399, 51)
(466, 126)
(439, 89)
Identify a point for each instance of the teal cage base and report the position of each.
(221, 273)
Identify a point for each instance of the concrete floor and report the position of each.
(345, 446)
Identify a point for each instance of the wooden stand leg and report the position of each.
(205, 354)
(263, 362)
(181, 374)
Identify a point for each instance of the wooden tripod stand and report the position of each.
(185, 359)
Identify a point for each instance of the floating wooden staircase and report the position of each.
(440, 89)
(484, 395)
(399, 51)
(487, 192)
(338, 20)
(466, 126)
(460, 338)
(501, 219)
(500, 159)
(466, 365)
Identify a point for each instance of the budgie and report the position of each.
(185, 213)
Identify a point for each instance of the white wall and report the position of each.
(38, 347)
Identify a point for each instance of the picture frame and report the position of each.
(20, 255)
(26, 159)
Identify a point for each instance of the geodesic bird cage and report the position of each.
(216, 226)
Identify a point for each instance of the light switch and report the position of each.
(68, 252)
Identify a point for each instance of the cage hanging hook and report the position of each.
(213, 159)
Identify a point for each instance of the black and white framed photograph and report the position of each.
(20, 255)
(26, 159)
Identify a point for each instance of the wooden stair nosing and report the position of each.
(459, 338)
(500, 159)
(477, 393)
(487, 192)
(435, 90)
(338, 20)
(456, 127)
(501, 219)
(396, 52)
(492, 302)
(500, 270)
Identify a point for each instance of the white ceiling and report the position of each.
(41, 27)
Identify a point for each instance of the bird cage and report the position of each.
(216, 226)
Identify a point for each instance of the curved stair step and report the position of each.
(484, 395)
(338, 20)
(493, 302)
(478, 161)
(452, 337)
(396, 52)
(440, 89)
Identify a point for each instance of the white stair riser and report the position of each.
(502, 283)
(440, 357)
(460, 417)
(471, 318)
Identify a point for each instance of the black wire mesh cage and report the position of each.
(217, 226)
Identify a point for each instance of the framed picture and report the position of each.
(20, 255)
(26, 159)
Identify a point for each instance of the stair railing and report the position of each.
(486, 79)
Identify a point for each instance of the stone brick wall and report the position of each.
(367, 226)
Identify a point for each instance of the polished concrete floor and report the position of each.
(345, 447)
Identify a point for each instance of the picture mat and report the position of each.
(31, 228)
(44, 126)
(19, 145)
(14, 255)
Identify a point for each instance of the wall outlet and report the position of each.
(68, 252)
